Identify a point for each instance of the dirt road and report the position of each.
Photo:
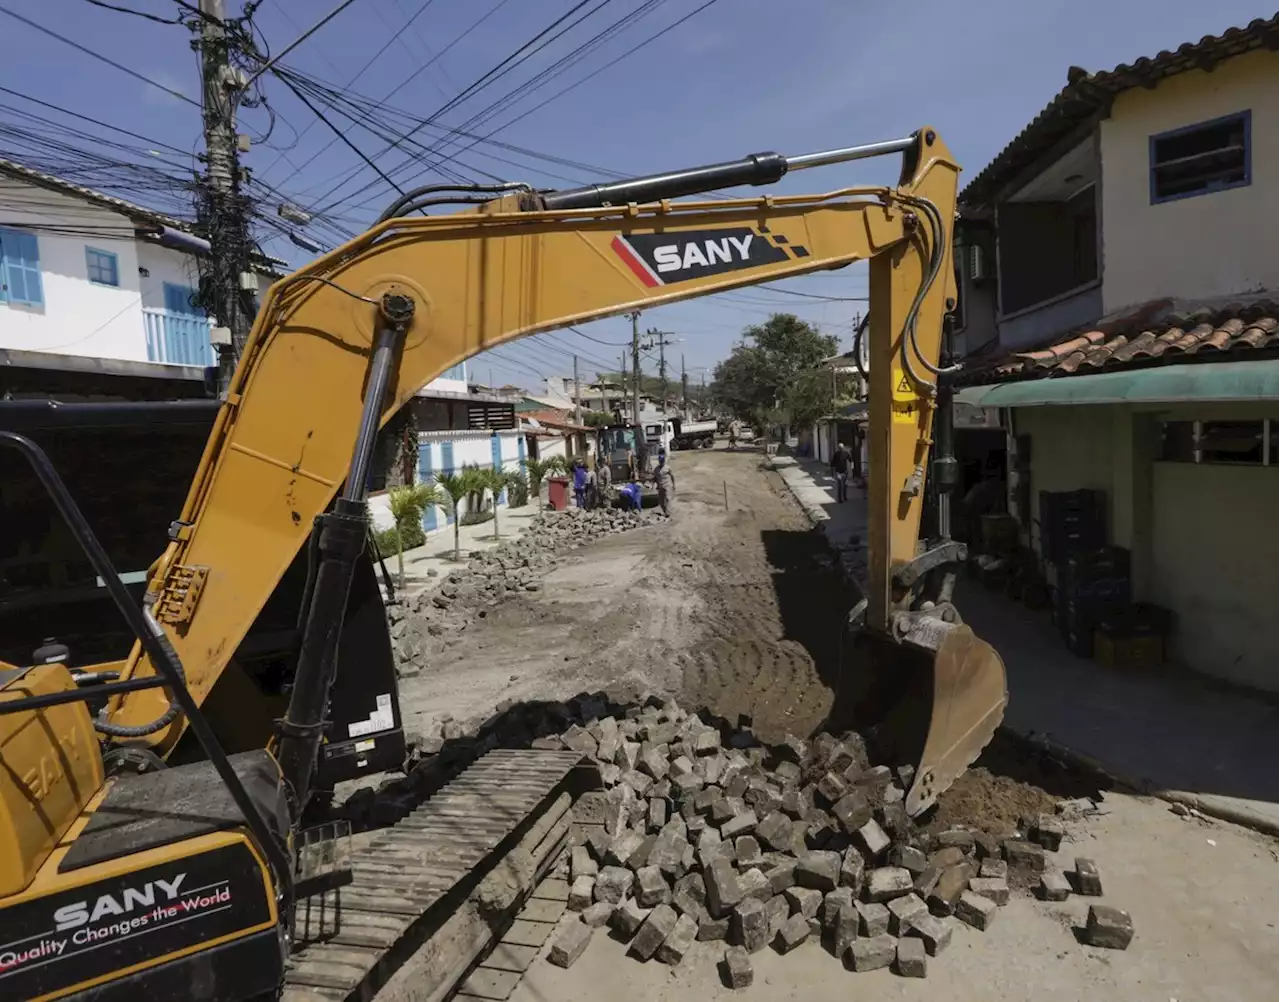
(737, 609)
(728, 608)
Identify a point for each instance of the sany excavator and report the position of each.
(127, 870)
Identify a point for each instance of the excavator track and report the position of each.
(409, 877)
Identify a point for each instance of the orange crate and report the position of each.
(1128, 652)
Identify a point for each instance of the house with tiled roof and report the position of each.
(1117, 266)
(88, 274)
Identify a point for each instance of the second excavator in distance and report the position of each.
(189, 880)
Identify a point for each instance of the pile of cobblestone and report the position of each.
(703, 835)
(424, 624)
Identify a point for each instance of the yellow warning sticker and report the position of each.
(906, 400)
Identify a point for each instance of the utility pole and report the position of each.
(635, 367)
(228, 284)
(659, 338)
(662, 372)
(577, 394)
(625, 403)
(684, 388)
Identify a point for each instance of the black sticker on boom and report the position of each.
(663, 258)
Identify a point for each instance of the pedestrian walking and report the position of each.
(665, 481)
(840, 462)
(733, 437)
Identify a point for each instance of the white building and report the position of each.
(85, 273)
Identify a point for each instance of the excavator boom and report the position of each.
(340, 347)
(516, 265)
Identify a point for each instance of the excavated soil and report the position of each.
(737, 610)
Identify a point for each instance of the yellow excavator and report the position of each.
(148, 850)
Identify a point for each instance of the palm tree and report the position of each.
(456, 487)
(538, 470)
(407, 505)
(495, 482)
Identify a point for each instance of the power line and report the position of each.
(810, 295)
(607, 344)
(270, 63)
(336, 131)
(360, 72)
(524, 115)
(548, 73)
(100, 58)
(136, 13)
(501, 68)
(463, 34)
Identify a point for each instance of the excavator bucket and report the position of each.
(933, 704)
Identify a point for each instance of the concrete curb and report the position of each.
(1211, 807)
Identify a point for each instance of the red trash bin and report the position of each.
(558, 492)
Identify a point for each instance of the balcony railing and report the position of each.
(177, 338)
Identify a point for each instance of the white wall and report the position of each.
(1072, 448)
(164, 264)
(1214, 557)
(78, 317)
(469, 448)
(1210, 245)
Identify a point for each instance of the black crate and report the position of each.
(1094, 564)
(1071, 522)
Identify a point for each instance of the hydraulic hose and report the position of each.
(104, 726)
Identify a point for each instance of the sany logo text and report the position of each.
(80, 913)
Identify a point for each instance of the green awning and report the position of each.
(1257, 380)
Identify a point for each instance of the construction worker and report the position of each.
(579, 483)
(604, 480)
(631, 495)
(593, 484)
(665, 481)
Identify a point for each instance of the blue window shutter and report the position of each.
(177, 299)
(20, 254)
(426, 476)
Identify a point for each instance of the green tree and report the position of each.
(407, 505)
(815, 394)
(538, 470)
(495, 482)
(756, 378)
(455, 488)
(597, 419)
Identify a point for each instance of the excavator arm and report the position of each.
(341, 345)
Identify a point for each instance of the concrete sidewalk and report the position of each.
(1168, 732)
(427, 565)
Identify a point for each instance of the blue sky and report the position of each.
(741, 76)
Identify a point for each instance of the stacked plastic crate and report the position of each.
(1092, 577)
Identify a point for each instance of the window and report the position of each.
(1200, 159)
(102, 267)
(20, 268)
(1249, 443)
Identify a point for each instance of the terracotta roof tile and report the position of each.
(1155, 331)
